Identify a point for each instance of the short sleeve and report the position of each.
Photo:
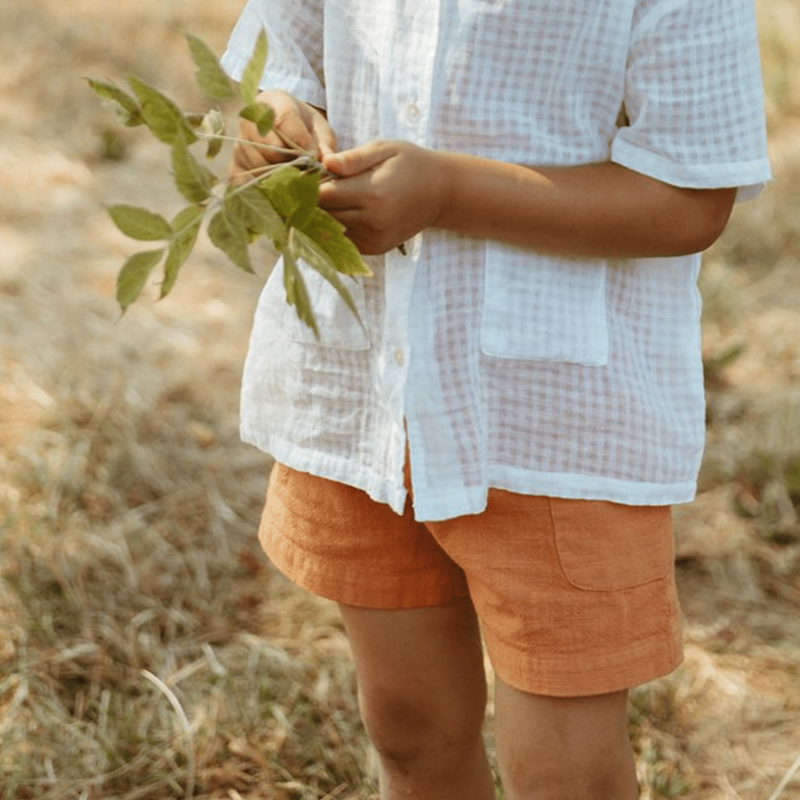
(295, 37)
(694, 96)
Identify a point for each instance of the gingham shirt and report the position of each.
(505, 367)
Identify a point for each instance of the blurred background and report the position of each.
(147, 650)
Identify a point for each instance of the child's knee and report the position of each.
(408, 730)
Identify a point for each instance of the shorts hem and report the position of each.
(560, 678)
(398, 593)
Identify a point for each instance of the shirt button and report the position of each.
(412, 112)
(399, 356)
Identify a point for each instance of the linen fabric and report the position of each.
(503, 367)
(575, 597)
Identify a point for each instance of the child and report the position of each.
(502, 440)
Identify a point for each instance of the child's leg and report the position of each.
(555, 748)
(413, 629)
(577, 602)
(577, 599)
(422, 692)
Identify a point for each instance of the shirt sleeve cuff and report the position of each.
(749, 177)
(310, 91)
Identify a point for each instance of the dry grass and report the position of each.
(147, 650)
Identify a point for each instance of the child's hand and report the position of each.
(386, 193)
(297, 125)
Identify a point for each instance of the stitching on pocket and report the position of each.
(543, 308)
(608, 547)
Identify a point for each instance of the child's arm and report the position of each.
(296, 124)
(389, 191)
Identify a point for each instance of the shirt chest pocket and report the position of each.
(540, 308)
(338, 326)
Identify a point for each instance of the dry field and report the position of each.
(147, 650)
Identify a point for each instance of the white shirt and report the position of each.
(504, 367)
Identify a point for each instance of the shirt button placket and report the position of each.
(411, 109)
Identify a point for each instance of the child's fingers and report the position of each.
(360, 159)
(292, 125)
(324, 136)
(244, 160)
(294, 131)
(345, 193)
(254, 151)
(297, 126)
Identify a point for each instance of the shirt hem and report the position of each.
(564, 485)
(466, 501)
(331, 467)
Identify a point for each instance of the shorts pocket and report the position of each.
(544, 308)
(607, 547)
(338, 326)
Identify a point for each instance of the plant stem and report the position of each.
(262, 145)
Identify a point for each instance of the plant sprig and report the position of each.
(279, 201)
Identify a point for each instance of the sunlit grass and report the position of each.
(147, 650)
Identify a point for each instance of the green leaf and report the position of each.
(213, 128)
(193, 180)
(134, 274)
(253, 72)
(301, 246)
(293, 194)
(194, 119)
(297, 293)
(164, 119)
(261, 114)
(139, 223)
(330, 236)
(186, 225)
(227, 232)
(211, 78)
(251, 206)
(125, 107)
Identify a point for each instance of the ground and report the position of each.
(147, 650)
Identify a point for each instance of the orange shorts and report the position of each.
(575, 597)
